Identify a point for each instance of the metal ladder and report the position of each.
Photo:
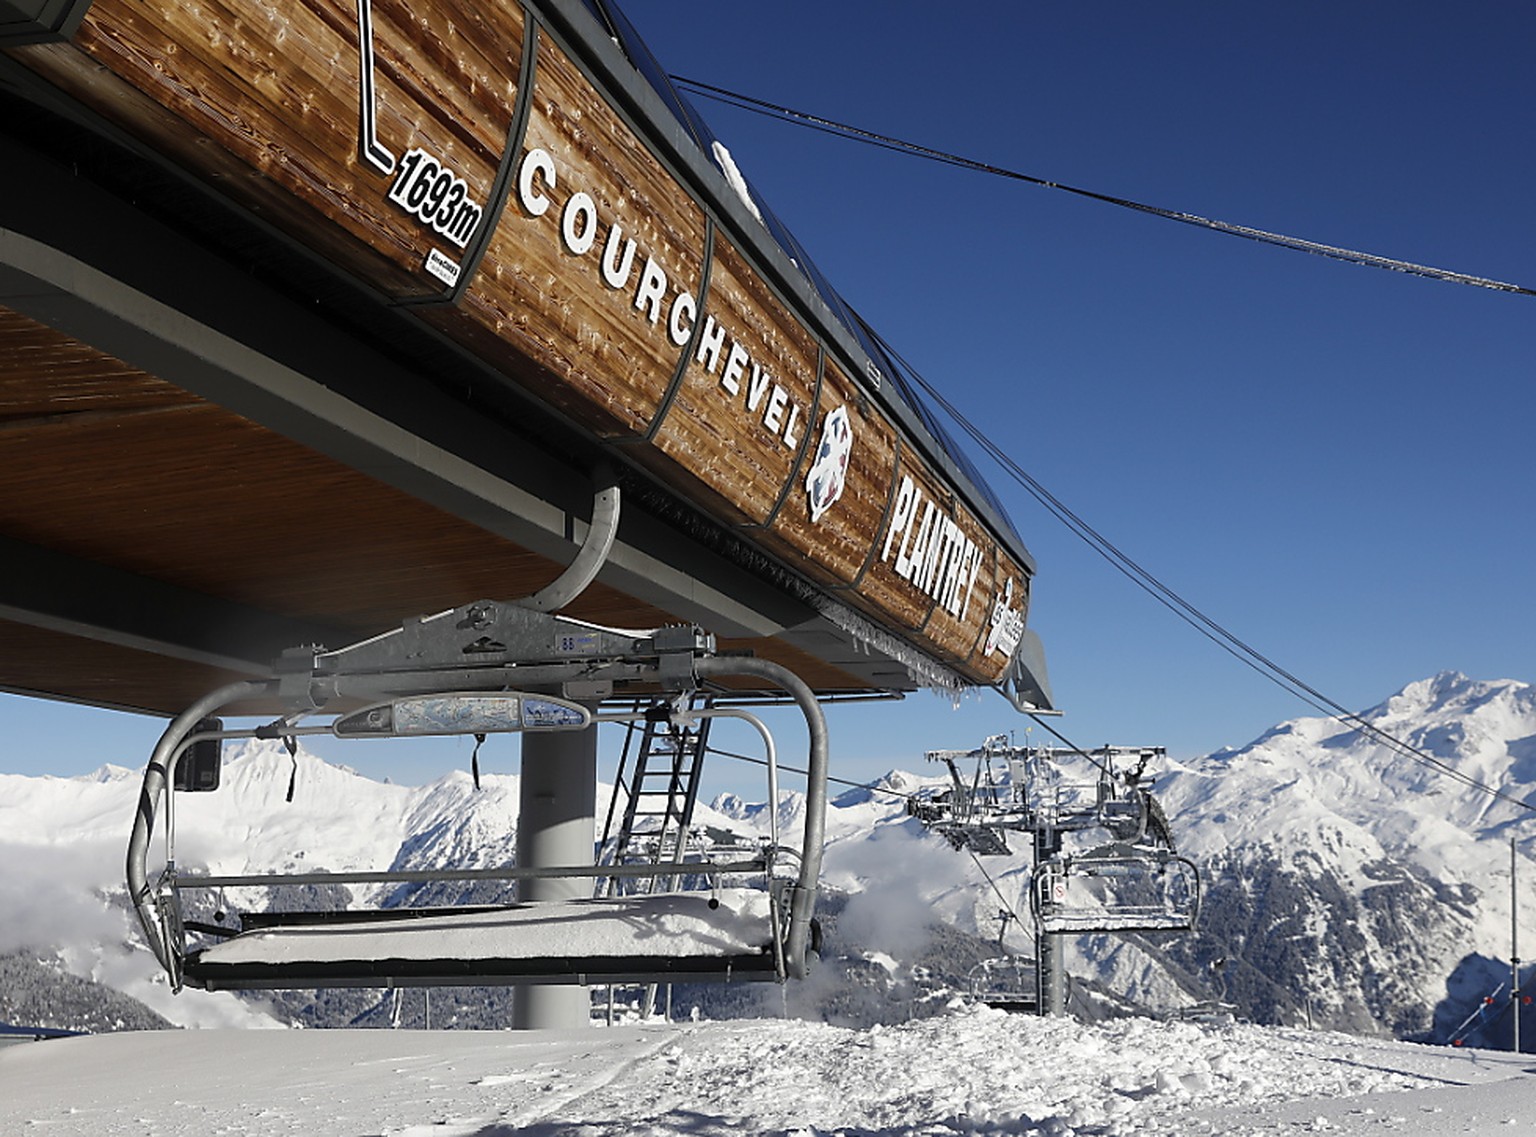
(659, 781)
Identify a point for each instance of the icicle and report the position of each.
(293, 756)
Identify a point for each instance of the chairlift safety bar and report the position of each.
(185, 882)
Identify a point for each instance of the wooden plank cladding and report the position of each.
(268, 102)
(593, 274)
(81, 381)
(551, 233)
(738, 422)
(834, 544)
(963, 575)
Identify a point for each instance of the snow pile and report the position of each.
(734, 176)
(984, 1070)
(970, 1071)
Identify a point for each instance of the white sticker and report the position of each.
(1007, 623)
(445, 268)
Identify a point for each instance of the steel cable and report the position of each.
(887, 142)
(1194, 617)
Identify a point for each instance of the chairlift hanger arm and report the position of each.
(156, 783)
(803, 897)
(593, 552)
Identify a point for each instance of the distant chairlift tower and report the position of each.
(1119, 872)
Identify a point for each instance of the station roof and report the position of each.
(211, 451)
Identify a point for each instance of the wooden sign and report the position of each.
(461, 159)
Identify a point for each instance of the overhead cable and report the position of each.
(1184, 610)
(885, 141)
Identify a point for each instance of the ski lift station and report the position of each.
(385, 374)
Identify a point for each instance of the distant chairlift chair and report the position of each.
(1135, 883)
(1116, 888)
(1009, 983)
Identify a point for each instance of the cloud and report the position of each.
(53, 895)
(892, 911)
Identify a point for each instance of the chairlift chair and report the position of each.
(734, 930)
(482, 668)
(1009, 983)
(1115, 888)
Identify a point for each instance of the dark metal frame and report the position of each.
(39, 21)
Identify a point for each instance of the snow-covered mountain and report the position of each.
(1342, 880)
(65, 838)
(1345, 876)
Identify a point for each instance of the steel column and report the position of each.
(1050, 947)
(555, 826)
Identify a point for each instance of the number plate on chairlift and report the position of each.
(462, 714)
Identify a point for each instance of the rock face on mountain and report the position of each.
(1346, 884)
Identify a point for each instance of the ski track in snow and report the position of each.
(972, 1070)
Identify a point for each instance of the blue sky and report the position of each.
(1332, 461)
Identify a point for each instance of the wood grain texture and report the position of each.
(106, 463)
(954, 633)
(746, 398)
(883, 589)
(549, 317)
(834, 548)
(263, 102)
(591, 296)
(52, 663)
(990, 665)
(80, 381)
(101, 461)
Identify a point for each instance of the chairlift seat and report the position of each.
(983, 840)
(1010, 983)
(451, 674)
(1115, 920)
(666, 937)
(1116, 888)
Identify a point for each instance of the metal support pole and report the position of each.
(1053, 974)
(555, 826)
(1514, 945)
(1050, 948)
